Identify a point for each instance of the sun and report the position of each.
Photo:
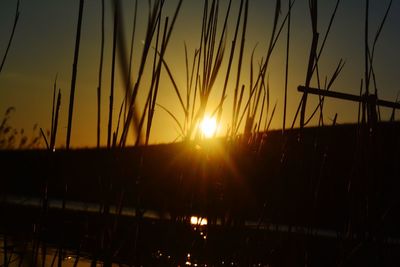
(208, 126)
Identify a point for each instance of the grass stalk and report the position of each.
(55, 126)
(45, 139)
(11, 36)
(211, 64)
(366, 48)
(132, 108)
(188, 88)
(311, 59)
(197, 75)
(359, 104)
(239, 103)
(154, 16)
(276, 31)
(115, 134)
(393, 114)
(286, 67)
(327, 87)
(154, 79)
(53, 106)
(156, 73)
(231, 56)
(205, 68)
(111, 105)
(181, 128)
(100, 76)
(372, 53)
(130, 59)
(241, 51)
(74, 73)
(176, 88)
(262, 110)
(332, 18)
(314, 57)
(256, 102)
(271, 118)
(315, 67)
(156, 89)
(254, 107)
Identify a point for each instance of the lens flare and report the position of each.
(208, 126)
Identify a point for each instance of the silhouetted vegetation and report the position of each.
(319, 196)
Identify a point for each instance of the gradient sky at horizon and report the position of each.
(43, 46)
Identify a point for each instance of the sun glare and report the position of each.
(208, 126)
(194, 220)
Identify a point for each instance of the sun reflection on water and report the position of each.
(194, 220)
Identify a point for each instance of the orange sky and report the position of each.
(43, 46)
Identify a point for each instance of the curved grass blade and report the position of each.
(173, 117)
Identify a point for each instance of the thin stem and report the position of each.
(228, 71)
(55, 125)
(100, 75)
(130, 59)
(286, 68)
(74, 73)
(110, 114)
(11, 36)
(366, 78)
(236, 109)
(53, 105)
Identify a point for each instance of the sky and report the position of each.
(44, 42)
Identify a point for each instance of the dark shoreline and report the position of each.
(343, 179)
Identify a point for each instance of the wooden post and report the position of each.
(369, 102)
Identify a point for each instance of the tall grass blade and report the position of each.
(308, 78)
(53, 106)
(286, 67)
(153, 97)
(360, 105)
(100, 76)
(74, 73)
(132, 115)
(320, 105)
(241, 51)
(393, 115)
(173, 117)
(372, 53)
(313, 62)
(333, 15)
(262, 110)
(154, 16)
(231, 56)
(11, 37)
(45, 139)
(130, 59)
(111, 106)
(115, 134)
(174, 84)
(366, 48)
(379, 31)
(272, 117)
(55, 126)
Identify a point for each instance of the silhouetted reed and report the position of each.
(74, 73)
(200, 169)
(132, 115)
(114, 50)
(11, 36)
(100, 76)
